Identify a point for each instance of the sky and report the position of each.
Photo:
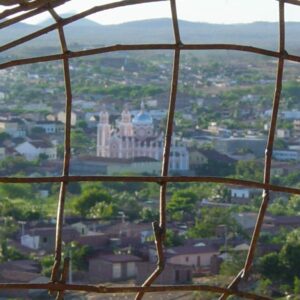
(210, 11)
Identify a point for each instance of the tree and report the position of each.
(182, 205)
(4, 136)
(210, 219)
(282, 267)
(104, 211)
(297, 287)
(250, 170)
(79, 254)
(268, 264)
(173, 239)
(148, 215)
(47, 263)
(128, 204)
(263, 287)
(10, 253)
(234, 263)
(80, 142)
(289, 255)
(294, 204)
(13, 191)
(90, 198)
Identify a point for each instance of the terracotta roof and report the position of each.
(95, 241)
(21, 265)
(41, 144)
(286, 220)
(184, 250)
(119, 258)
(18, 276)
(115, 160)
(216, 156)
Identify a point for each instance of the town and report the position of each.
(119, 111)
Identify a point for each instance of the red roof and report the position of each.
(119, 258)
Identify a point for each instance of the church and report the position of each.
(137, 137)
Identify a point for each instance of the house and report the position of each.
(240, 195)
(61, 116)
(290, 222)
(129, 230)
(14, 127)
(44, 238)
(232, 145)
(198, 255)
(286, 155)
(283, 133)
(109, 268)
(87, 165)
(50, 127)
(247, 220)
(214, 129)
(33, 149)
(20, 271)
(96, 241)
(172, 274)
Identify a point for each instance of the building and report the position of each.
(286, 155)
(15, 127)
(108, 268)
(51, 127)
(61, 117)
(172, 274)
(44, 238)
(232, 145)
(197, 256)
(32, 150)
(137, 137)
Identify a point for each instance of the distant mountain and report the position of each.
(87, 33)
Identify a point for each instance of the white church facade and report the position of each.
(137, 138)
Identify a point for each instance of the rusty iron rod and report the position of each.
(268, 157)
(160, 230)
(154, 179)
(72, 19)
(128, 289)
(31, 13)
(67, 151)
(118, 47)
(60, 286)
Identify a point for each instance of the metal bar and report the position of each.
(268, 156)
(67, 154)
(23, 7)
(31, 13)
(295, 2)
(72, 19)
(64, 277)
(114, 48)
(155, 179)
(60, 286)
(128, 289)
(270, 144)
(160, 229)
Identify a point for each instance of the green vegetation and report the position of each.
(288, 273)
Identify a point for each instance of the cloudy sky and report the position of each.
(211, 11)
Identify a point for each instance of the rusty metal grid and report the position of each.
(57, 285)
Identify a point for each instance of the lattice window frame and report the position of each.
(57, 284)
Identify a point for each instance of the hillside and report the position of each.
(88, 33)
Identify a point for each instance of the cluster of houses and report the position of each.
(121, 251)
(35, 135)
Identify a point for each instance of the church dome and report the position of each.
(142, 118)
